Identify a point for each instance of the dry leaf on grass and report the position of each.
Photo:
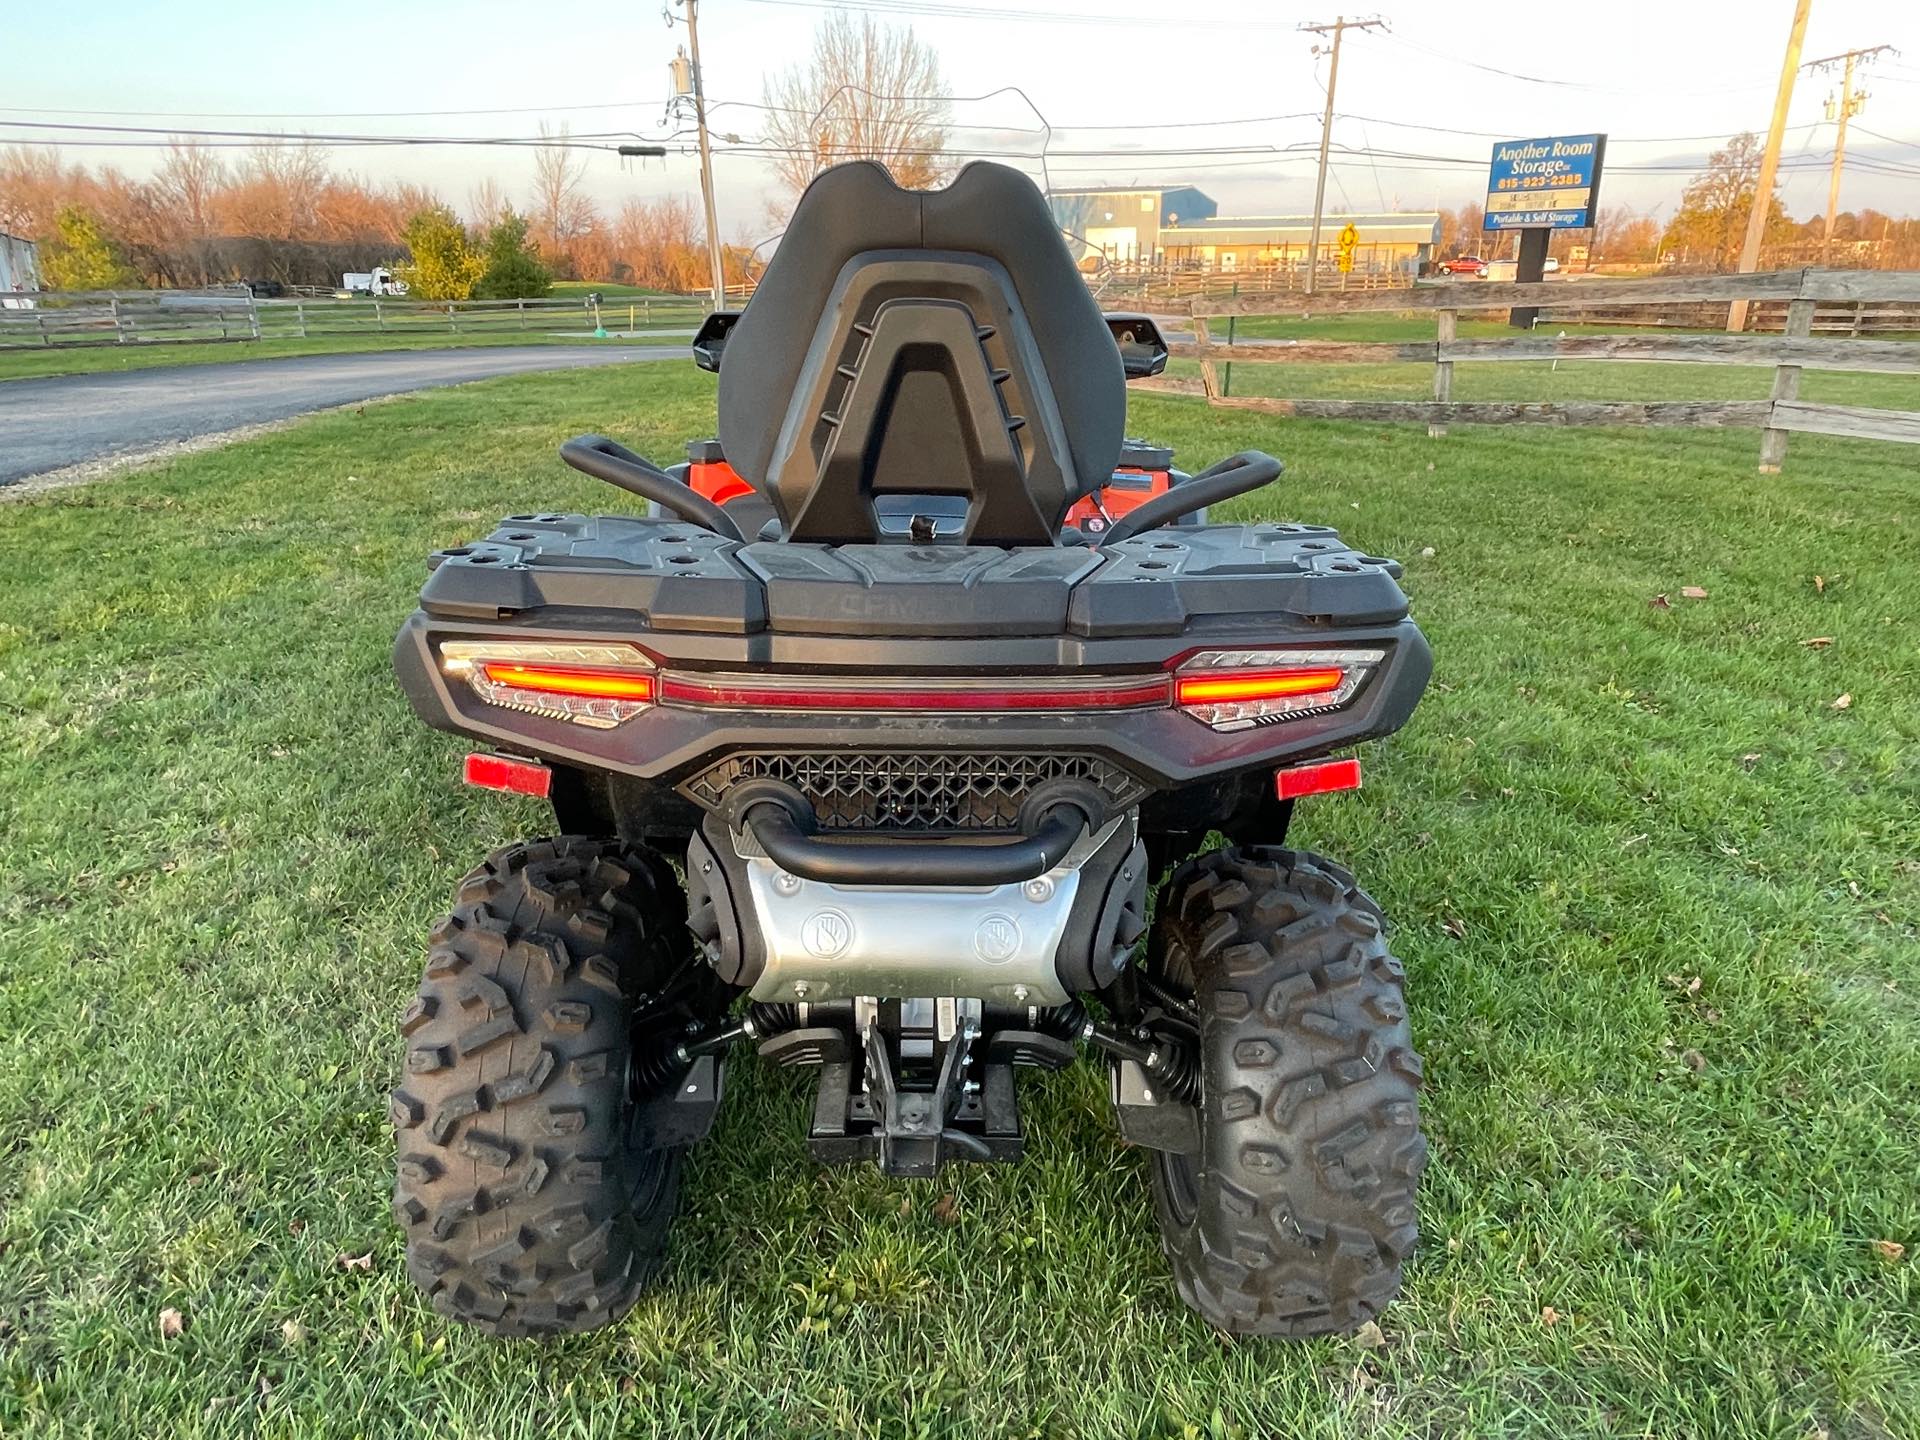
(1820, 583)
(1549, 1316)
(354, 1262)
(1426, 552)
(1455, 927)
(1660, 602)
(1748, 761)
(292, 1334)
(172, 1324)
(947, 1210)
(1818, 642)
(1694, 1060)
(1845, 702)
(1692, 592)
(1892, 1251)
(1369, 1337)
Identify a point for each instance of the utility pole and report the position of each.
(706, 156)
(1338, 28)
(1849, 105)
(1770, 161)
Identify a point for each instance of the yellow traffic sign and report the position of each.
(1349, 237)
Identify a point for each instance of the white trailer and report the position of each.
(377, 281)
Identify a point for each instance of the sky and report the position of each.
(1666, 81)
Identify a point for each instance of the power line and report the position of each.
(934, 10)
(325, 138)
(1612, 140)
(1543, 80)
(1888, 139)
(312, 114)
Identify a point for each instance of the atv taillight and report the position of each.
(983, 695)
(567, 680)
(1238, 689)
(596, 685)
(1257, 685)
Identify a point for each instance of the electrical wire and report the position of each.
(1392, 37)
(933, 10)
(313, 114)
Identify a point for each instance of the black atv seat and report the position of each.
(935, 342)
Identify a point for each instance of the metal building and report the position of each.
(1178, 229)
(19, 265)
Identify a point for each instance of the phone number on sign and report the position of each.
(1565, 180)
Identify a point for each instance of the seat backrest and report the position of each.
(922, 342)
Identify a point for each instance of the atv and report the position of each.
(870, 746)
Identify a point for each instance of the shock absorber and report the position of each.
(1168, 1063)
(661, 1065)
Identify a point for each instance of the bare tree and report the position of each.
(189, 184)
(486, 203)
(868, 92)
(562, 213)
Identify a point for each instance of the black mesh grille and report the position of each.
(924, 792)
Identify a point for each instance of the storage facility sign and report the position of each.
(1550, 184)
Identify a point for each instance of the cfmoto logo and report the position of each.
(826, 933)
(996, 938)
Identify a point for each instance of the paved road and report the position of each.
(65, 420)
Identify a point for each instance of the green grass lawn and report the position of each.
(1659, 901)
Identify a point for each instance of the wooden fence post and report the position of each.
(1786, 386)
(450, 325)
(378, 323)
(300, 312)
(521, 305)
(113, 308)
(253, 316)
(1445, 326)
(1209, 374)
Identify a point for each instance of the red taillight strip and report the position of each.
(960, 697)
(1233, 687)
(569, 680)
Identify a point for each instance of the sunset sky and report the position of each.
(1666, 81)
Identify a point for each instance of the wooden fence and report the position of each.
(151, 317)
(1797, 349)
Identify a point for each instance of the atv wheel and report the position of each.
(527, 1207)
(1297, 1211)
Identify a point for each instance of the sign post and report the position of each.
(1537, 187)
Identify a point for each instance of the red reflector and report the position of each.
(1322, 778)
(497, 772)
(567, 680)
(748, 693)
(1235, 686)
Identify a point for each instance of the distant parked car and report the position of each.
(1463, 265)
(266, 289)
(1507, 269)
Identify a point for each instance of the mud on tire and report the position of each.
(526, 1208)
(1298, 1211)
